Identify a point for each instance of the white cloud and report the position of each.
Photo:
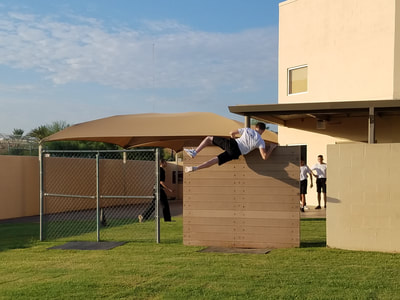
(164, 54)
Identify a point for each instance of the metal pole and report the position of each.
(157, 195)
(247, 121)
(98, 196)
(41, 191)
(371, 126)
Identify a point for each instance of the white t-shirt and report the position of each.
(249, 140)
(304, 170)
(320, 169)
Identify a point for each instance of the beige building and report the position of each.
(340, 50)
(339, 91)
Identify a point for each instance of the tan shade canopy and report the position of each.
(173, 131)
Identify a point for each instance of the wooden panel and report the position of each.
(245, 203)
(243, 206)
(253, 222)
(243, 198)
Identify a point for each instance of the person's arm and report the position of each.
(263, 153)
(165, 186)
(312, 172)
(311, 176)
(234, 133)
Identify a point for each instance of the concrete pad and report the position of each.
(88, 245)
(235, 250)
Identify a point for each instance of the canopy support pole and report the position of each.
(371, 125)
(247, 121)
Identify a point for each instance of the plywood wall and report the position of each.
(246, 203)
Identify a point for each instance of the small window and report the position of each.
(297, 80)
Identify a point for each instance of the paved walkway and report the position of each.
(313, 213)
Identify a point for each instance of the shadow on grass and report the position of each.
(312, 233)
(321, 244)
(16, 236)
(24, 235)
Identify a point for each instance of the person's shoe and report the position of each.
(190, 169)
(318, 207)
(302, 209)
(191, 152)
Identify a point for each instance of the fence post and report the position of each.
(41, 191)
(157, 195)
(98, 196)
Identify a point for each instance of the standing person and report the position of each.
(304, 173)
(249, 140)
(163, 197)
(320, 169)
(163, 194)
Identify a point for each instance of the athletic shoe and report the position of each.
(191, 152)
(190, 169)
(301, 209)
(318, 207)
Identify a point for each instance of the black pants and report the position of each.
(165, 205)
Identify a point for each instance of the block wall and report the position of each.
(19, 186)
(363, 211)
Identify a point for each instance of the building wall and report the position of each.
(245, 203)
(363, 198)
(396, 81)
(348, 46)
(316, 145)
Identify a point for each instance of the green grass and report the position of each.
(170, 270)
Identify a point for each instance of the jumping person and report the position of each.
(249, 140)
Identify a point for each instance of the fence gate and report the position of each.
(100, 195)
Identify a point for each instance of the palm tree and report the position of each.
(18, 133)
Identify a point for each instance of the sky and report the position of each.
(80, 60)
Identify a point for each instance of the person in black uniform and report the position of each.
(163, 197)
(163, 194)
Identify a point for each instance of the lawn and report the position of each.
(170, 270)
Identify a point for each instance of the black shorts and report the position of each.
(321, 185)
(303, 186)
(230, 146)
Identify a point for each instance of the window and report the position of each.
(297, 80)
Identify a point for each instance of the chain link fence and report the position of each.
(100, 195)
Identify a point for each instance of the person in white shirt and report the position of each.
(304, 173)
(249, 140)
(320, 168)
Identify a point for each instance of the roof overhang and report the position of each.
(330, 118)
